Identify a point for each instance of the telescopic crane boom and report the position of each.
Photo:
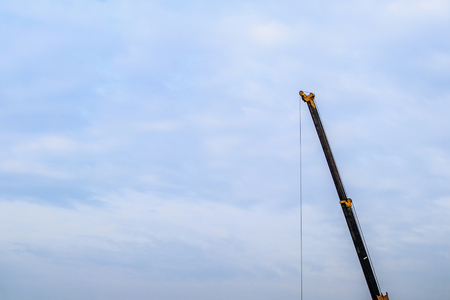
(346, 204)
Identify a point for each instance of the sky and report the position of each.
(152, 150)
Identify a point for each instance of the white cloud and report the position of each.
(438, 62)
(51, 143)
(272, 34)
(223, 145)
(252, 241)
(32, 167)
(419, 8)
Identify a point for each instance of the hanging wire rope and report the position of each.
(301, 201)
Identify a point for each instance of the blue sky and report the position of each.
(150, 149)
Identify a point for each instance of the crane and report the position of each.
(346, 204)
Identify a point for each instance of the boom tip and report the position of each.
(307, 98)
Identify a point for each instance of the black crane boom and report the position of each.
(346, 204)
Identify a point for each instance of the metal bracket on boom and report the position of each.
(347, 202)
(308, 98)
(383, 297)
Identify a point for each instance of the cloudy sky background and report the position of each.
(150, 149)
